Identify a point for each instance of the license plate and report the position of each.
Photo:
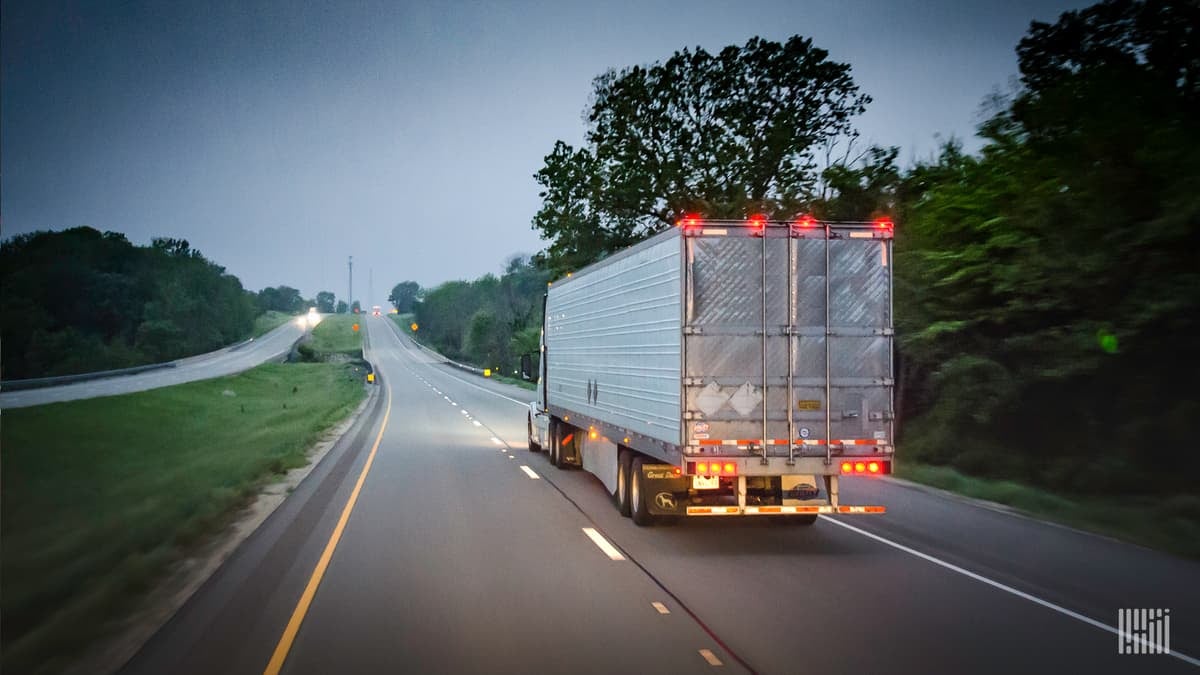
(705, 482)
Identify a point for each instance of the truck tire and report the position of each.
(533, 447)
(621, 494)
(552, 438)
(639, 505)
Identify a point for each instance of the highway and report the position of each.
(430, 540)
(226, 361)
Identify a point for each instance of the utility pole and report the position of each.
(350, 292)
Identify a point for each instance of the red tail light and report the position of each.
(690, 223)
(806, 222)
(873, 467)
(847, 467)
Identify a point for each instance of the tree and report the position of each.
(725, 134)
(342, 307)
(1047, 292)
(403, 295)
(281, 299)
(325, 302)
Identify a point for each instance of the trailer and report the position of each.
(724, 368)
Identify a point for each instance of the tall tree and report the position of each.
(723, 134)
(403, 295)
(325, 302)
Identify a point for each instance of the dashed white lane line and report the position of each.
(710, 657)
(529, 472)
(997, 585)
(599, 540)
(497, 441)
(476, 423)
(661, 608)
(523, 404)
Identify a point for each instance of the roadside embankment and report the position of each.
(100, 496)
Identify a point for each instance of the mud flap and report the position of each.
(666, 492)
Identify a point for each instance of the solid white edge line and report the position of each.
(529, 472)
(599, 540)
(710, 657)
(661, 608)
(996, 584)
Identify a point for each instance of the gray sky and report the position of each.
(279, 138)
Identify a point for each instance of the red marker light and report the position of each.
(859, 467)
(714, 469)
(806, 222)
(689, 223)
(884, 224)
(758, 224)
(702, 468)
(873, 467)
(677, 471)
(847, 467)
(730, 467)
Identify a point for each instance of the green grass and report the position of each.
(336, 335)
(1169, 523)
(269, 321)
(99, 496)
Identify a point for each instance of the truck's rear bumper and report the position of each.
(782, 510)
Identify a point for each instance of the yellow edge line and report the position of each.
(293, 625)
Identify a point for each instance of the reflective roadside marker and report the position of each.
(370, 378)
(487, 372)
(355, 327)
(413, 327)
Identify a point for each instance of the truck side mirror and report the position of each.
(527, 367)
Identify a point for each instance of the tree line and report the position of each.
(80, 300)
(491, 321)
(1047, 286)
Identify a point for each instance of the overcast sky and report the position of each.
(280, 138)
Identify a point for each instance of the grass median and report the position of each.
(268, 321)
(336, 335)
(99, 496)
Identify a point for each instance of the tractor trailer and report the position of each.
(724, 368)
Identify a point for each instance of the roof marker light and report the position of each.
(884, 223)
(758, 224)
(806, 221)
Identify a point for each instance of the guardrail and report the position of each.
(435, 353)
(40, 382)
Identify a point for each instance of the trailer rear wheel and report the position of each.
(639, 507)
(621, 494)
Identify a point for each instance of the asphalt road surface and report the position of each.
(225, 361)
(463, 552)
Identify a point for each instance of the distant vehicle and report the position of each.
(724, 368)
(376, 311)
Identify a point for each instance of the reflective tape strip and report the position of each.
(780, 510)
(783, 441)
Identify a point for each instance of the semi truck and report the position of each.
(724, 368)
